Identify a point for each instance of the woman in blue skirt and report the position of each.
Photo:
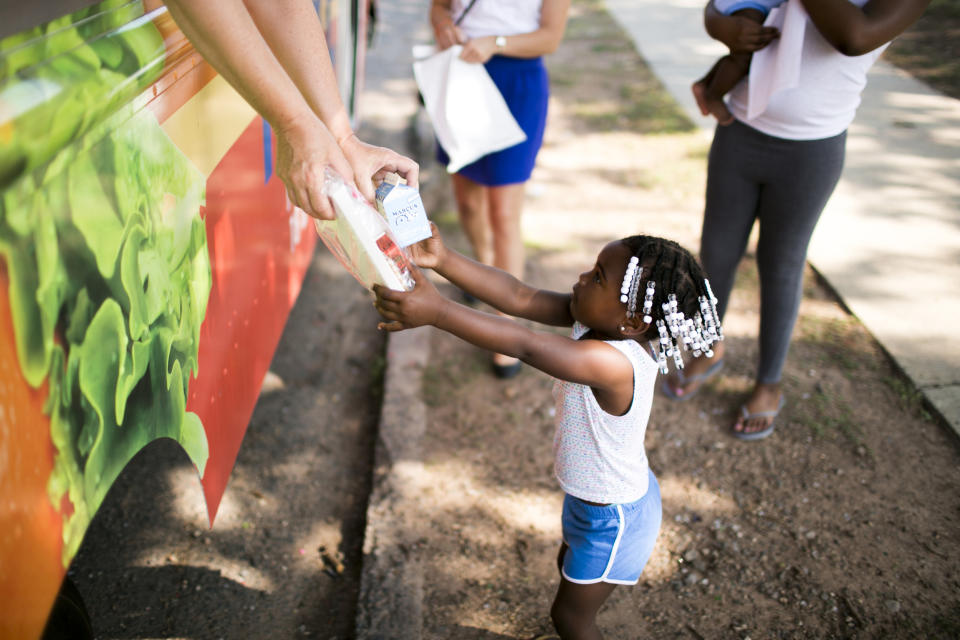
(509, 37)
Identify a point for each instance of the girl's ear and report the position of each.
(633, 327)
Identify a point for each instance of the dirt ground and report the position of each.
(843, 524)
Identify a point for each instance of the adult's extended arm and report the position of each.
(857, 30)
(295, 35)
(243, 47)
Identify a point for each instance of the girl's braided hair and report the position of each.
(677, 275)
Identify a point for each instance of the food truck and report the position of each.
(149, 259)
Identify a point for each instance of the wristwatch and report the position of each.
(500, 41)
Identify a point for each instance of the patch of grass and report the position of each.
(930, 49)
(826, 416)
(446, 219)
(606, 47)
(608, 86)
(840, 338)
(378, 370)
(436, 382)
(908, 396)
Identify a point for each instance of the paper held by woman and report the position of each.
(469, 116)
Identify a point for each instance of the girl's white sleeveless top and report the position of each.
(498, 17)
(825, 100)
(600, 457)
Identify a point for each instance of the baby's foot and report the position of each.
(711, 105)
(700, 95)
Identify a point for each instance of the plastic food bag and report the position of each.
(361, 240)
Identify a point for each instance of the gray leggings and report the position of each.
(784, 184)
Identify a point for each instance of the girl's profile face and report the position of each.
(596, 294)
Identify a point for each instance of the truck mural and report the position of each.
(148, 261)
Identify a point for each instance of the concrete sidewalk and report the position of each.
(889, 241)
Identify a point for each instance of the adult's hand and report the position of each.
(741, 35)
(479, 49)
(369, 164)
(447, 34)
(304, 151)
(445, 30)
(747, 36)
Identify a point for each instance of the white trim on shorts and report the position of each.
(613, 557)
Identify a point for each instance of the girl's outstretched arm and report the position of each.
(854, 30)
(590, 362)
(497, 288)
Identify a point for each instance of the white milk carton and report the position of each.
(401, 205)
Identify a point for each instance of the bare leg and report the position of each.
(505, 208)
(723, 77)
(473, 209)
(700, 88)
(575, 608)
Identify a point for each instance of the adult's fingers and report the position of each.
(762, 37)
(402, 165)
(409, 169)
(320, 205)
(292, 196)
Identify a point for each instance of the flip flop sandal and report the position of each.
(759, 435)
(684, 381)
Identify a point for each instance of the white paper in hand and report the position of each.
(777, 66)
(469, 116)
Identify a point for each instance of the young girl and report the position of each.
(641, 289)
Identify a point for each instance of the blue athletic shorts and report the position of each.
(525, 87)
(612, 543)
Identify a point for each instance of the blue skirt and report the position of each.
(525, 87)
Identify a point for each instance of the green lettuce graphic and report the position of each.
(59, 80)
(105, 250)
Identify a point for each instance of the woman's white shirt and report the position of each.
(498, 17)
(825, 100)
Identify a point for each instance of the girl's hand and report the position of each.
(747, 36)
(408, 309)
(428, 253)
(479, 49)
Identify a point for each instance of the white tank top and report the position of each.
(597, 456)
(825, 100)
(498, 17)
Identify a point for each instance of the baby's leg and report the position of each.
(724, 76)
(700, 88)
(575, 608)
